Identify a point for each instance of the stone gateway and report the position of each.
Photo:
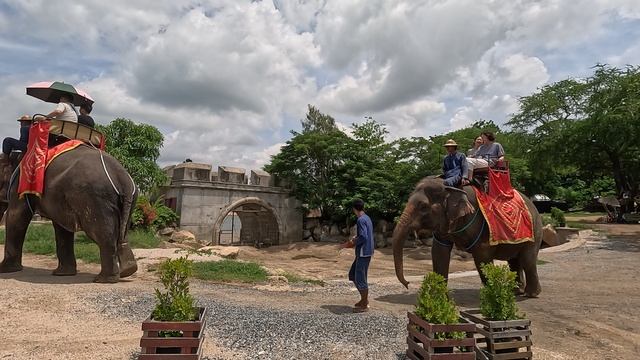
(203, 199)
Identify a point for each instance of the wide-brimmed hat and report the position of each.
(450, 142)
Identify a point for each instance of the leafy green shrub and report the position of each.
(557, 217)
(152, 216)
(175, 304)
(164, 215)
(435, 306)
(497, 297)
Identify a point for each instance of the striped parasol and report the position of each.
(50, 91)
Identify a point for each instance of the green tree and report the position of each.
(317, 121)
(312, 163)
(137, 147)
(586, 126)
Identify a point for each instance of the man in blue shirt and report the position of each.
(454, 167)
(363, 244)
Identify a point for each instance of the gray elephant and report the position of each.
(81, 191)
(453, 215)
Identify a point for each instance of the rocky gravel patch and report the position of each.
(326, 332)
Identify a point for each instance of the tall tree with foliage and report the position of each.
(317, 121)
(137, 147)
(587, 128)
(312, 162)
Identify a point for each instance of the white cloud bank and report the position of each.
(225, 80)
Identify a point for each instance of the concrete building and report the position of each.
(202, 199)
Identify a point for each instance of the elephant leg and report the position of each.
(514, 265)
(440, 258)
(17, 219)
(529, 259)
(128, 264)
(110, 266)
(481, 256)
(64, 251)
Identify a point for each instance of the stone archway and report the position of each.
(260, 222)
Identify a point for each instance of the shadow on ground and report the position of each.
(338, 309)
(467, 298)
(44, 276)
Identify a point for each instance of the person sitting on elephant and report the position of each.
(9, 144)
(84, 118)
(487, 155)
(454, 166)
(476, 145)
(64, 111)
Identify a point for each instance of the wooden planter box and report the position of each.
(422, 344)
(501, 340)
(186, 347)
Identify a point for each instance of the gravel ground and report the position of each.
(255, 332)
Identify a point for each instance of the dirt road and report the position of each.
(587, 310)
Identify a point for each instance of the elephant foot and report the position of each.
(128, 269)
(65, 271)
(532, 293)
(106, 279)
(6, 267)
(519, 291)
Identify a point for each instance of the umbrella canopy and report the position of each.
(50, 91)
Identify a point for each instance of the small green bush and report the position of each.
(497, 296)
(152, 216)
(176, 303)
(557, 217)
(435, 306)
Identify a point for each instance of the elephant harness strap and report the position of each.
(38, 157)
(448, 243)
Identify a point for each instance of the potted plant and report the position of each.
(436, 330)
(175, 328)
(502, 328)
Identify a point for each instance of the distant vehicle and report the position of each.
(544, 203)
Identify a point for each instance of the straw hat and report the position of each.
(450, 142)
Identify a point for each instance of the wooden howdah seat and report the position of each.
(76, 131)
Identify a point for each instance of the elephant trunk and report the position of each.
(399, 236)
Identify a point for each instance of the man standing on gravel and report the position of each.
(363, 243)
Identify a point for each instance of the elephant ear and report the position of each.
(457, 206)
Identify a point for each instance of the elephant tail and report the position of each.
(127, 201)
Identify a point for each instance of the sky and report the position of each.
(226, 80)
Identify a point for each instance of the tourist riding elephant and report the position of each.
(80, 192)
(451, 214)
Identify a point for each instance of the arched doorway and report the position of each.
(249, 221)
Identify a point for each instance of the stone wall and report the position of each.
(202, 207)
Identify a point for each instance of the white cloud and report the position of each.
(223, 79)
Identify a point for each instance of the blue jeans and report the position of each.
(358, 272)
(453, 181)
(10, 144)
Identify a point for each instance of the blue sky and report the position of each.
(226, 80)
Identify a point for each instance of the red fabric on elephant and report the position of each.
(38, 157)
(32, 165)
(504, 209)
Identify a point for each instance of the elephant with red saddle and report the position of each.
(453, 214)
(86, 190)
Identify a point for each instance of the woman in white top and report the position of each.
(64, 111)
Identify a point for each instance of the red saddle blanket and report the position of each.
(504, 209)
(38, 157)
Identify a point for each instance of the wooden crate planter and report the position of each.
(186, 347)
(501, 340)
(422, 344)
